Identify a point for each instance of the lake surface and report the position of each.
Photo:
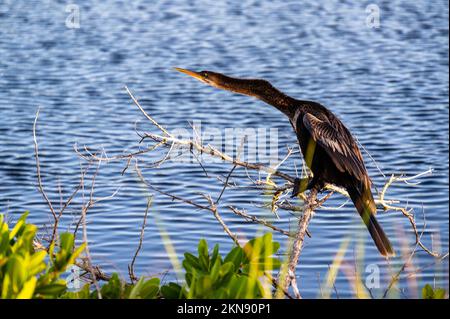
(389, 85)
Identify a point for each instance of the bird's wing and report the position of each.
(339, 144)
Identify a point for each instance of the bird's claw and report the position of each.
(300, 185)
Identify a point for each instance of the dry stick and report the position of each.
(56, 217)
(99, 274)
(259, 221)
(145, 113)
(200, 163)
(403, 210)
(225, 185)
(214, 152)
(92, 201)
(254, 166)
(38, 172)
(95, 270)
(213, 208)
(438, 260)
(309, 206)
(116, 157)
(67, 203)
(84, 210)
(133, 277)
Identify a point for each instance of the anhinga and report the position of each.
(329, 149)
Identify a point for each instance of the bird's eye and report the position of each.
(205, 75)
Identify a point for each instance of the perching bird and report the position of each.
(329, 149)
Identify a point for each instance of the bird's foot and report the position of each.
(300, 186)
(303, 184)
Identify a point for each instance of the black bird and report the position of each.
(328, 147)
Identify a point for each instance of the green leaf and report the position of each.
(171, 291)
(215, 270)
(429, 293)
(190, 261)
(203, 286)
(135, 292)
(28, 289)
(4, 242)
(6, 287)
(245, 287)
(76, 253)
(203, 248)
(51, 290)
(15, 267)
(36, 263)
(188, 276)
(16, 229)
(66, 242)
(260, 246)
(261, 265)
(439, 293)
(203, 255)
(19, 225)
(150, 289)
(113, 289)
(215, 254)
(235, 256)
(226, 268)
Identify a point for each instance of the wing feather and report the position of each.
(339, 144)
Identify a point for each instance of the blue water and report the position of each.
(389, 85)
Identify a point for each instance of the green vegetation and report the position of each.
(429, 293)
(26, 272)
(23, 271)
(238, 275)
(118, 289)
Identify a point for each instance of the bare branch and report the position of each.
(38, 171)
(225, 184)
(145, 113)
(286, 276)
(84, 210)
(133, 277)
(259, 221)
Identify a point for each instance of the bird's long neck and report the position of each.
(278, 99)
(264, 91)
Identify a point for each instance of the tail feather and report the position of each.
(365, 205)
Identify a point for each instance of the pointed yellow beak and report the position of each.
(196, 75)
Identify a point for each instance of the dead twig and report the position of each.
(257, 220)
(39, 178)
(225, 185)
(133, 277)
(407, 213)
(84, 210)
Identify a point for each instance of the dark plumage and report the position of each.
(329, 149)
